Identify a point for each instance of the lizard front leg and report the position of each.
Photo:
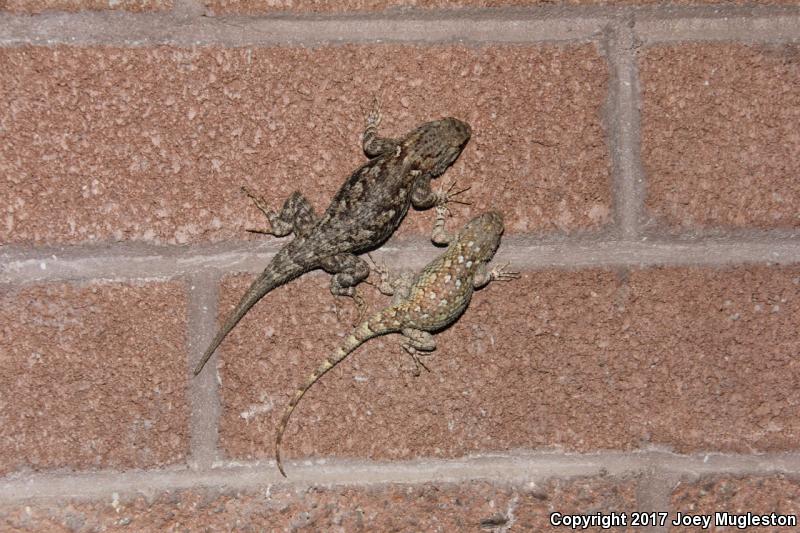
(423, 197)
(483, 275)
(296, 216)
(348, 271)
(417, 341)
(439, 235)
(372, 144)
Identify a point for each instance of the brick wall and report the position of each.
(646, 158)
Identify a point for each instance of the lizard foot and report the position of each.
(417, 361)
(447, 196)
(385, 286)
(499, 273)
(262, 206)
(371, 142)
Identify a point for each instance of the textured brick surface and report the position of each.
(738, 495)
(720, 137)
(92, 376)
(153, 144)
(38, 6)
(270, 6)
(690, 359)
(473, 506)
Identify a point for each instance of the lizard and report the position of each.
(363, 214)
(426, 304)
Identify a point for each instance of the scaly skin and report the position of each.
(364, 213)
(435, 299)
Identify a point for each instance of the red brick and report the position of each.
(711, 358)
(720, 138)
(152, 144)
(38, 6)
(475, 506)
(738, 496)
(92, 376)
(685, 358)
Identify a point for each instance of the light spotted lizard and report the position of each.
(364, 213)
(434, 299)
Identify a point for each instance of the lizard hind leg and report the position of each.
(417, 340)
(443, 196)
(348, 271)
(296, 216)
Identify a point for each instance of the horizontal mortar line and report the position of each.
(755, 28)
(717, 23)
(615, 253)
(531, 25)
(124, 263)
(127, 29)
(520, 467)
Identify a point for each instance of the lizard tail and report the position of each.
(368, 329)
(280, 271)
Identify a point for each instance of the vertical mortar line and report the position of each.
(202, 389)
(653, 495)
(623, 120)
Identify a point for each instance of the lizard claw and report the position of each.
(262, 206)
(260, 231)
(417, 361)
(499, 273)
(447, 196)
(379, 268)
(253, 196)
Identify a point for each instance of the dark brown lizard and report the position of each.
(364, 213)
(434, 299)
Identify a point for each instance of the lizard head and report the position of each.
(480, 237)
(439, 143)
